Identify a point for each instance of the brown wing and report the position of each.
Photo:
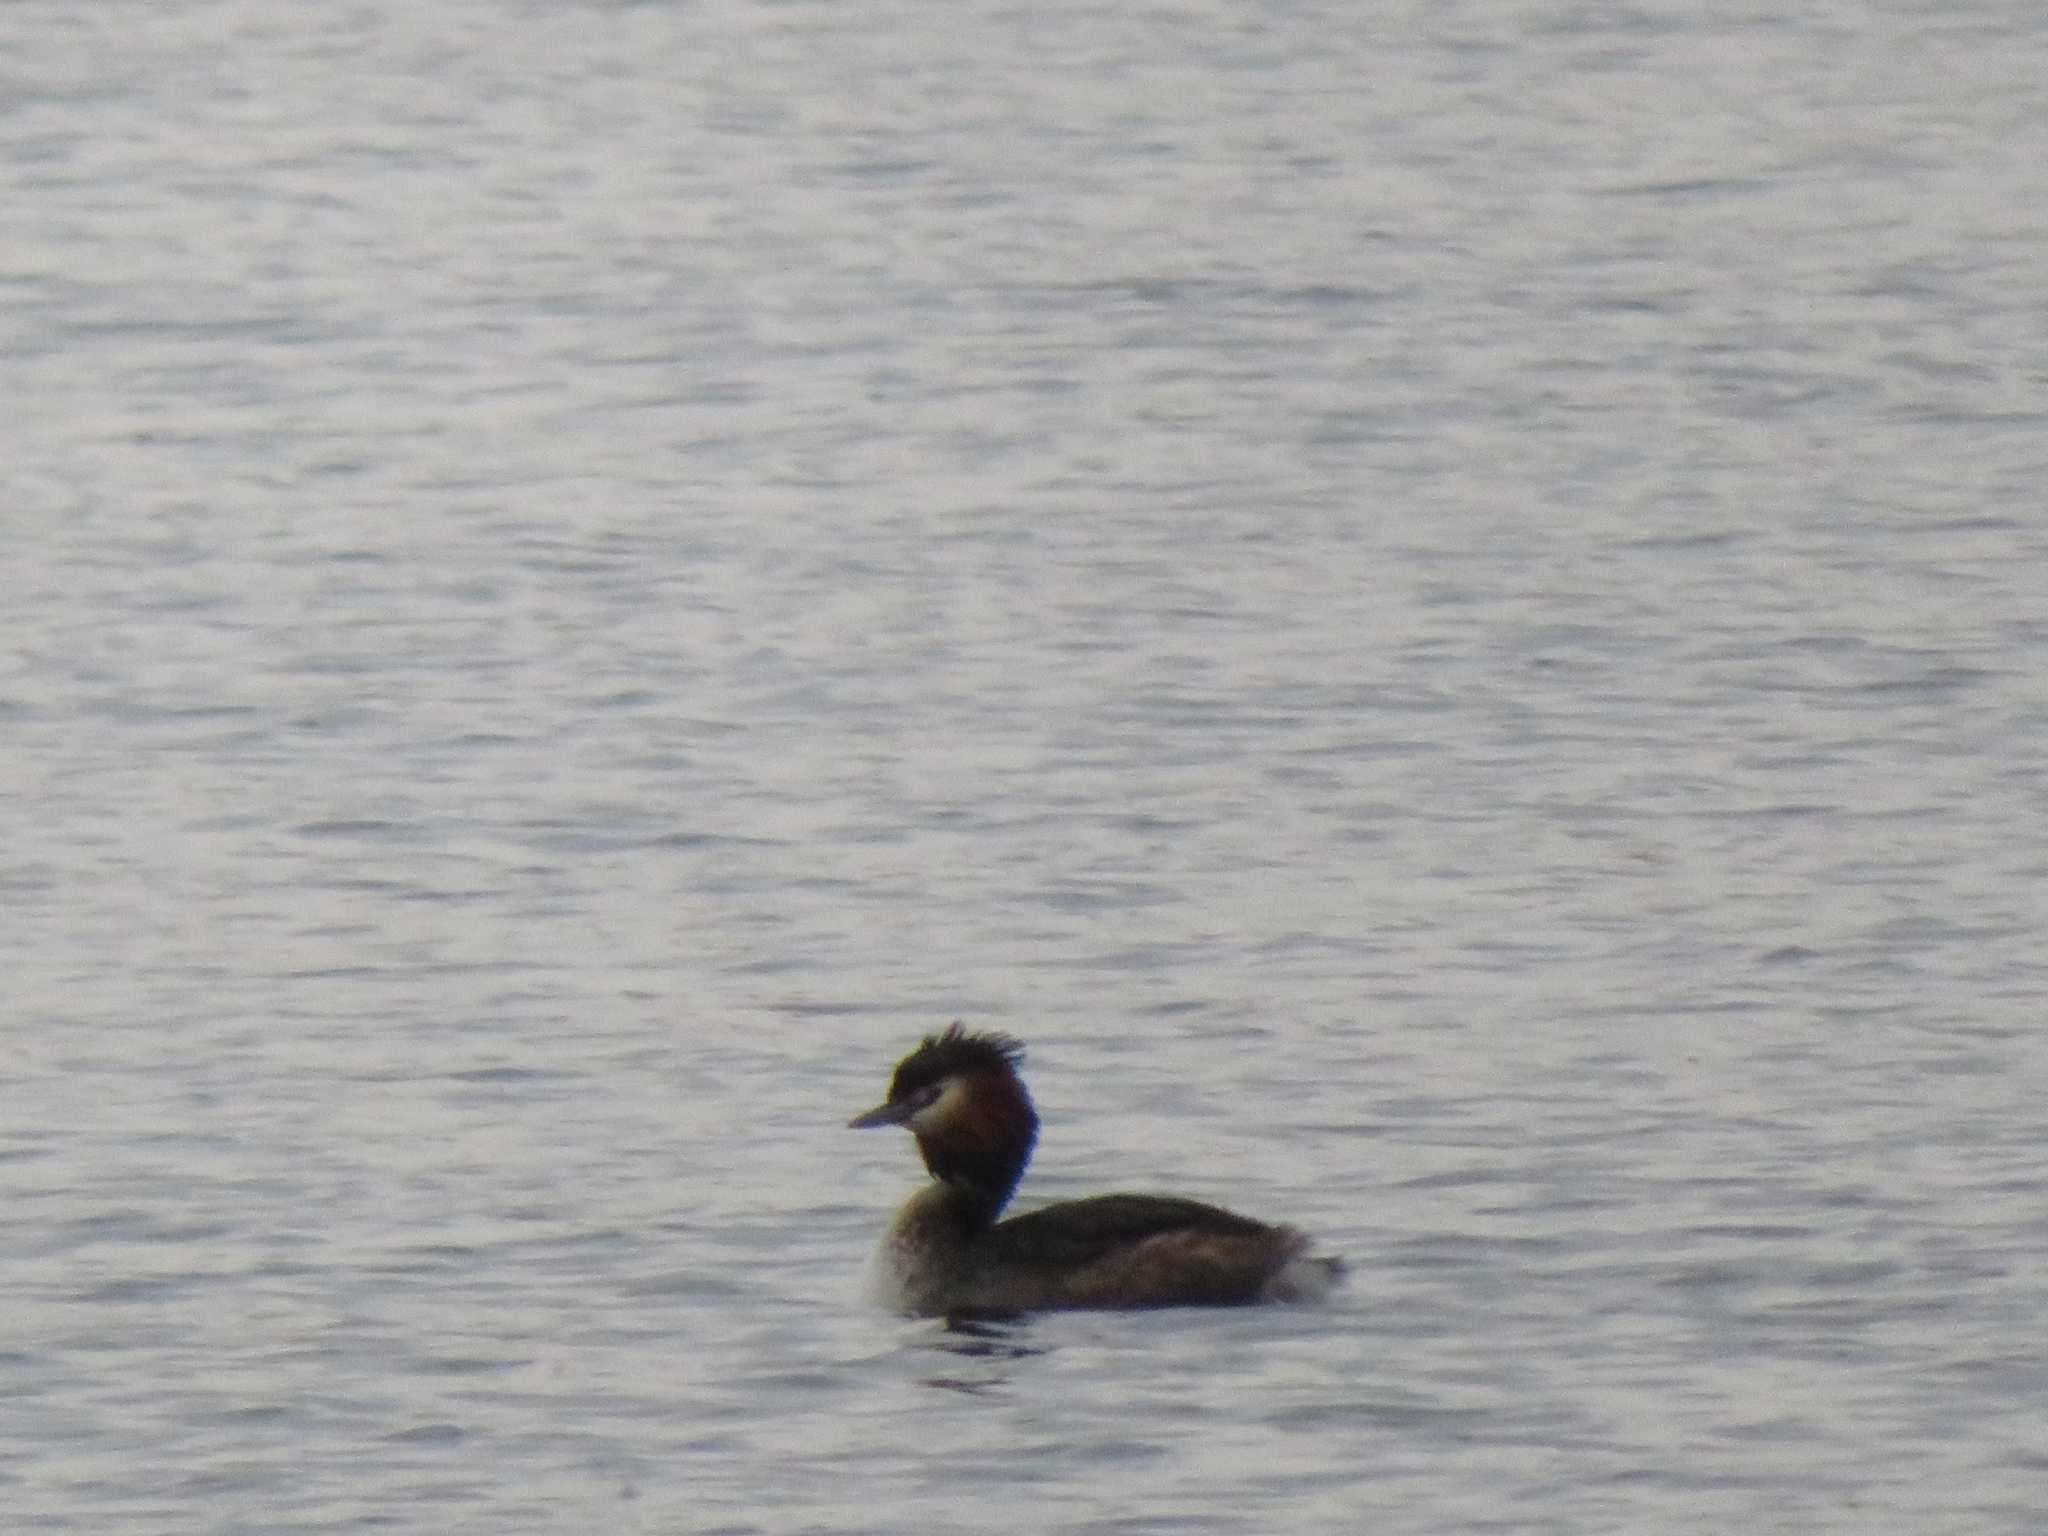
(1075, 1231)
(1143, 1251)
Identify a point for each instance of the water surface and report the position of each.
(1441, 608)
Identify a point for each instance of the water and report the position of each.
(1441, 607)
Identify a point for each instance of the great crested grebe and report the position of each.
(946, 1254)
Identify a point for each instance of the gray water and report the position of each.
(1441, 605)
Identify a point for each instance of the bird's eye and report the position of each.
(926, 1096)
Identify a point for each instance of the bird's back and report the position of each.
(1148, 1251)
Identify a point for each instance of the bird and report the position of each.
(947, 1253)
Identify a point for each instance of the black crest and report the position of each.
(958, 1052)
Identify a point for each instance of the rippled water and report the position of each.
(1438, 605)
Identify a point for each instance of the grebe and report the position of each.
(946, 1254)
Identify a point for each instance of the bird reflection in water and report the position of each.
(993, 1342)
